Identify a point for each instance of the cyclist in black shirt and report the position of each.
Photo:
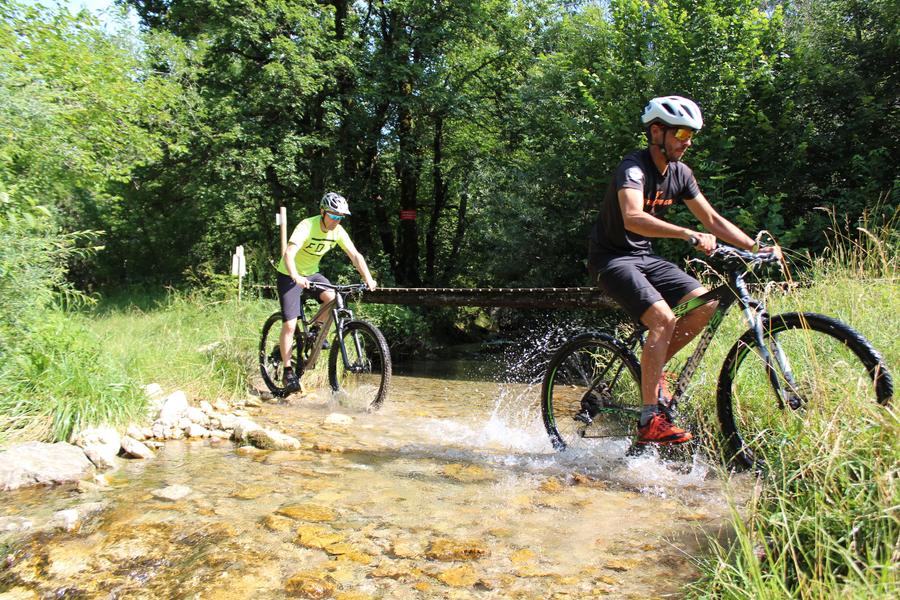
(646, 183)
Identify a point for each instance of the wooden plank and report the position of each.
(492, 297)
(553, 297)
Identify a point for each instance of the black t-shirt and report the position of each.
(637, 171)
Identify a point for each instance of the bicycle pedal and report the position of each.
(583, 417)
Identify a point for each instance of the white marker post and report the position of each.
(281, 220)
(239, 267)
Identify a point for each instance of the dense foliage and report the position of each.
(498, 121)
(75, 117)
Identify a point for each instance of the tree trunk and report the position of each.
(440, 198)
(408, 175)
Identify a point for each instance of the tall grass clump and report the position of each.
(54, 377)
(203, 341)
(824, 519)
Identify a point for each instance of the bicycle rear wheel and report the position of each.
(591, 392)
(832, 370)
(366, 376)
(270, 363)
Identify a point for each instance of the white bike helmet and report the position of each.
(673, 111)
(335, 203)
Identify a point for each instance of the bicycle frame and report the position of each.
(335, 312)
(726, 295)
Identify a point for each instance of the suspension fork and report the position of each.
(773, 357)
(342, 314)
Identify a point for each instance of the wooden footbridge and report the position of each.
(553, 297)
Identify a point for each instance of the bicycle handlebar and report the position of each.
(340, 289)
(732, 254)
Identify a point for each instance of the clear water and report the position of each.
(450, 491)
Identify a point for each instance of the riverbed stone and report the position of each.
(338, 419)
(195, 430)
(17, 523)
(621, 564)
(467, 473)
(197, 416)
(307, 512)
(403, 549)
(551, 486)
(100, 444)
(39, 463)
(171, 492)
(307, 585)
(461, 576)
(173, 408)
(135, 448)
(277, 523)
(269, 439)
(251, 492)
(242, 428)
(135, 432)
(19, 593)
(524, 555)
(447, 549)
(315, 536)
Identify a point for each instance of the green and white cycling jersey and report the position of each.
(313, 244)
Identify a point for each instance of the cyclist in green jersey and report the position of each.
(299, 267)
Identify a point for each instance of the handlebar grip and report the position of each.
(693, 241)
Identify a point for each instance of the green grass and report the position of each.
(202, 345)
(824, 520)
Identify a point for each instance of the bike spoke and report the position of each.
(590, 394)
(820, 378)
(362, 379)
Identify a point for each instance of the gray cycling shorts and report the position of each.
(639, 282)
(291, 295)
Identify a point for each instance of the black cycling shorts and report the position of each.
(291, 295)
(638, 282)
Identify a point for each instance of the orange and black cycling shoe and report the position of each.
(659, 430)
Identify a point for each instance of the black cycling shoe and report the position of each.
(290, 381)
(313, 333)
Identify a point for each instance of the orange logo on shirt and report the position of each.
(650, 204)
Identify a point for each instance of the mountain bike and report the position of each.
(359, 361)
(591, 390)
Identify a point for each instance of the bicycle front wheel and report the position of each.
(271, 366)
(822, 366)
(365, 375)
(591, 392)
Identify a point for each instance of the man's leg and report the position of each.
(653, 426)
(286, 340)
(688, 326)
(660, 322)
(325, 297)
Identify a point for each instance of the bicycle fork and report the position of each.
(773, 357)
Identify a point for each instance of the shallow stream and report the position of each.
(452, 490)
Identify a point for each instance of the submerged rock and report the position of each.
(461, 576)
(307, 512)
(172, 492)
(307, 585)
(338, 419)
(269, 439)
(15, 524)
(38, 463)
(444, 549)
(467, 473)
